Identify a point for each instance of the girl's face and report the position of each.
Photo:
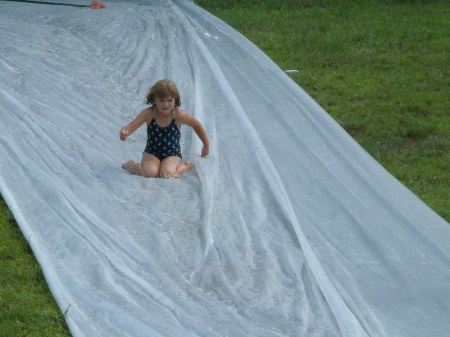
(165, 105)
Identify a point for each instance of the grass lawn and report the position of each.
(380, 68)
(26, 306)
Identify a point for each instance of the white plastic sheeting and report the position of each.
(288, 227)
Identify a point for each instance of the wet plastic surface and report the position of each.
(287, 228)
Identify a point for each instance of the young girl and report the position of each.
(162, 154)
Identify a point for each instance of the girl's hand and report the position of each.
(123, 134)
(205, 150)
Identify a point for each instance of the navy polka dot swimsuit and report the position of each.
(163, 142)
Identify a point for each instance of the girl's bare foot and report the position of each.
(132, 167)
(186, 167)
(189, 166)
(128, 165)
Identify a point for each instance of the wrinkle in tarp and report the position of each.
(288, 227)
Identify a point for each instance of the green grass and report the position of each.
(27, 307)
(380, 68)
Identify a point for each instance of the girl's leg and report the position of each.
(172, 167)
(148, 168)
(150, 165)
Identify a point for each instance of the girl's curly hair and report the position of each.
(163, 89)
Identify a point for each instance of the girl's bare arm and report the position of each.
(140, 119)
(184, 117)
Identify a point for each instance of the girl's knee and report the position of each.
(150, 172)
(168, 173)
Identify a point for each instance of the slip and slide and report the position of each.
(93, 5)
(287, 228)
